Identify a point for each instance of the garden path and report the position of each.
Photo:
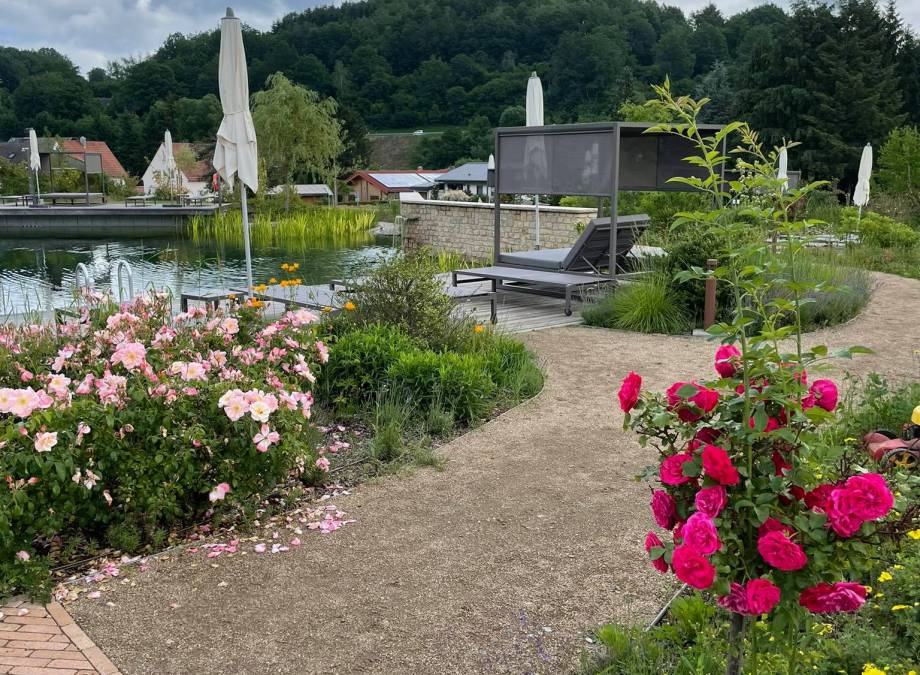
(531, 536)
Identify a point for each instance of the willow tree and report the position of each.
(297, 129)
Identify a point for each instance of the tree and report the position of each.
(899, 163)
(513, 116)
(673, 54)
(298, 131)
(717, 87)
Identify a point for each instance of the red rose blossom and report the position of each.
(651, 541)
(664, 509)
(779, 551)
(692, 568)
(707, 435)
(842, 596)
(671, 470)
(817, 498)
(773, 525)
(704, 400)
(762, 596)
(735, 601)
(711, 500)
(718, 465)
(629, 391)
(727, 358)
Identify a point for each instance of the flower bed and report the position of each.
(128, 421)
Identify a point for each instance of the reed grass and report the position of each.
(321, 227)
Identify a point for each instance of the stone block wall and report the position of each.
(466, 227)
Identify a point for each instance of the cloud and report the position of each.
(94, 32)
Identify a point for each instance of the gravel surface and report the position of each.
(502, 563)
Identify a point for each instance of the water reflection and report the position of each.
(38, 274)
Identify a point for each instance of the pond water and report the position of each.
(38, 274)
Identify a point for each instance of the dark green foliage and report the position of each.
(878, 230)
(460, 382)
(358, 363)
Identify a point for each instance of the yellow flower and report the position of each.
(884, 576)
(879, 595)
(295, 267)
(870, 669)
(273, 280)
(349, 306)
(478, 328)
(914, 534)
(849, 440)
(899, 608)
(327, 309)
(899, 567)
(232, 296)
(285, 266)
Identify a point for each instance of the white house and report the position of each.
(194, 180)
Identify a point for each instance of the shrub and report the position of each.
(358, 364)
(124, 421)
(650, 304)
(461, 382)
(406, 293)
(878, 230)
(838, 293)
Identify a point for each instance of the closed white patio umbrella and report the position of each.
(782, 168)
(35, 162)
(861, 193)
(236, 151)
(534, 110)
(169, 160)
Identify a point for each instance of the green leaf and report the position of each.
(762, 513)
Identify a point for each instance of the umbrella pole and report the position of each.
(246, 241)
(536, 217)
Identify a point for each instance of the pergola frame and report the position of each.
(613, 134)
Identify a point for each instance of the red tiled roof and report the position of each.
(203, 168)
(110, 164)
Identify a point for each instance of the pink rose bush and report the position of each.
(129, 414)
(747, 519)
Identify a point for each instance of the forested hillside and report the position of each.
(832, 77)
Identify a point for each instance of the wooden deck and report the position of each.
(519, 313)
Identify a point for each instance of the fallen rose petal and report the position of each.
(295, 541)
(93, 594)
(259, 548)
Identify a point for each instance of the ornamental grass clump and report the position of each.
(130, 419)
(746, 514)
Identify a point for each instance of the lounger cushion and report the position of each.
(544, 259)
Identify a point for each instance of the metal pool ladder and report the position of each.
(82, 272)
(119, 267)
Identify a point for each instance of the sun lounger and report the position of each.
(538, 282)
(590, 252)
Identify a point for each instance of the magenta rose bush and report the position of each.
(129, 417)
(753, 503)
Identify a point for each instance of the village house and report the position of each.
(100, 157)
(371, 186)
(309, 193)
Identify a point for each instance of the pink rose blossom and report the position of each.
(762, 596)
(710, 501)
(219, 492)
(664, 509)
(44, 441)
(727, 359)
(671, 470)
(700, 534)
(692, 568)
(629, 391)
(652, 541)
(718, 465)
(322, 464)
(779, 551)
(825, 394)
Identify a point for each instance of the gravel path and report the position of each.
(530, 537)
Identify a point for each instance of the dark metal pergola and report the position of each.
(596, 160)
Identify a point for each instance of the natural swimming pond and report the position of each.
(38, 274)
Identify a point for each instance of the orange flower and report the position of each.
(349, 306)
(479, 328)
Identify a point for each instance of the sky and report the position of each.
(94, 32)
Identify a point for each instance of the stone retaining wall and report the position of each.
(466, 227)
